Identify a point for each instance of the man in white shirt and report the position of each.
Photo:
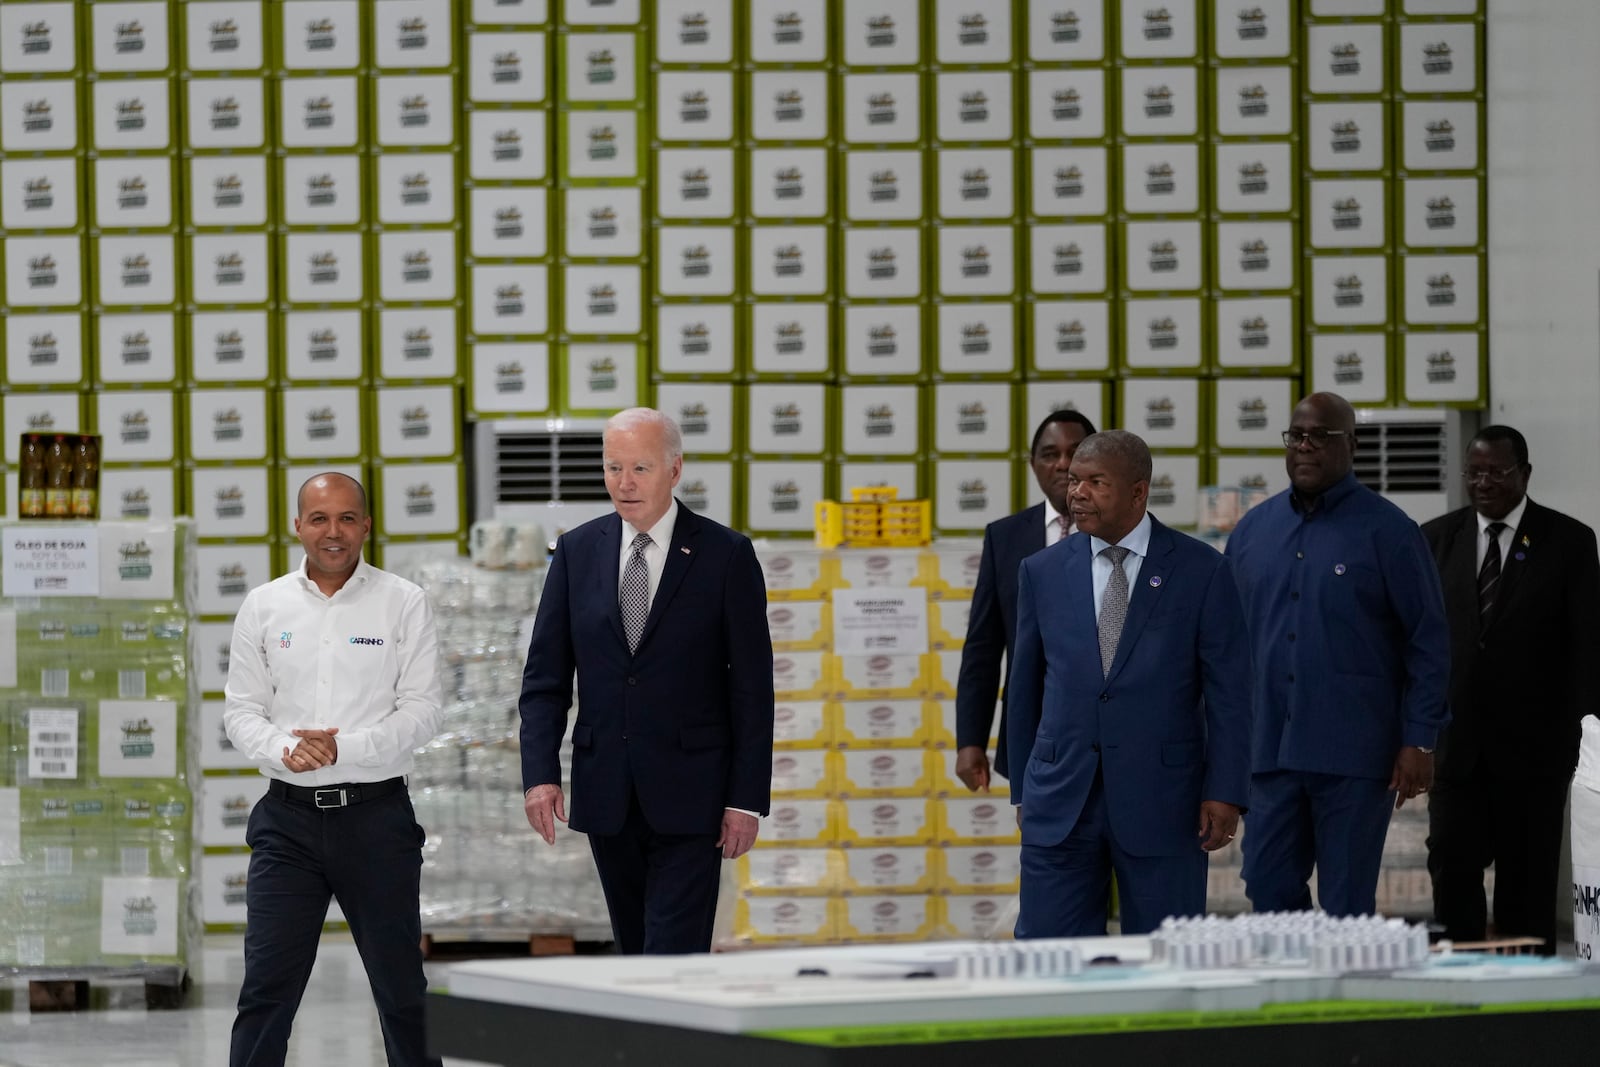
(662, 615)
(333, 681)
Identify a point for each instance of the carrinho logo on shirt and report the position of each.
(366, 640)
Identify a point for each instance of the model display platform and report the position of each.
(1254, 972)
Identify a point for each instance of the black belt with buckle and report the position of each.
(334, 796)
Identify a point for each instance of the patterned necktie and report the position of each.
(1489, 573)
(1113, 607)
(1066, 527)
(636, 592)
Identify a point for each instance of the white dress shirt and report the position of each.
(1052, 525)
(655, 554)
(1138, 545)
(365, 660)
(1512, 520)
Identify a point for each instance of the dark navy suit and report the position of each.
(990, 627)
(1110, 770)
(666, 737)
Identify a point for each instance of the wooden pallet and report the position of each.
(63, 991)
(482, 943)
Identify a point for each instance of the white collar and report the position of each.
(1512, 520)
(361, 575)
(660, 533)
(1137, 540)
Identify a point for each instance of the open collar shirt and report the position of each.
(365, 660)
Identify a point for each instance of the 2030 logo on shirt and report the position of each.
(366, 640)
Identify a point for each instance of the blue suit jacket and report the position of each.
(990, 627)
(1168, 728)
(686, 719)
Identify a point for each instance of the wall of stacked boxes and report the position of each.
(846, 242)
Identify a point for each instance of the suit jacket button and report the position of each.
(1105, 698)
(632, 680)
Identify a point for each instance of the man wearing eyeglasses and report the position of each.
(1352, 659)
(1521, 584)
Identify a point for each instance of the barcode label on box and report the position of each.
(53, 742)
(53, 683)
(130, 685)
(136, 862)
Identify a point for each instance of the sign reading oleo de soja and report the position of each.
(50, 561)
(892, 621)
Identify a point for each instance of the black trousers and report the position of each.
(369, 857)
(661, 889)
(1516, 825)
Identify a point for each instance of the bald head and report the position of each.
(1124, 453)
(1334, 411)
(331, 480)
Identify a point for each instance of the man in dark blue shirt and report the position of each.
(1352, 660)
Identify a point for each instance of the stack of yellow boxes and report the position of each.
(872, 837)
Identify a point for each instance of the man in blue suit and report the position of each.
(993, 618)
(662, 614)
(1129, 717)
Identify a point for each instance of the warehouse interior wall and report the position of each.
(1544, 241)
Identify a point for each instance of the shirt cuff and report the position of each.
(745, 811)
(1419, 736)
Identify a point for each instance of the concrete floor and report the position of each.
(336, 1023)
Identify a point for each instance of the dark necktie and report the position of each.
(636, 592)
(1113, 606)
(1489, 573)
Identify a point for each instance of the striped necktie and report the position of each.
(1489, 573)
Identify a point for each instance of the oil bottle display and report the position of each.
(60, 476)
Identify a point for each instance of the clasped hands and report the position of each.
(316, 748)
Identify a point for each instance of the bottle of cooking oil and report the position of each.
(58, 479)
(86, 478)
(33, 477)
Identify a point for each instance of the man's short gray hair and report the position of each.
(1125, 451)
(630, 420)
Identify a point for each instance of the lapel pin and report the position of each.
(1155, 581)
(684, 549)
(1525, 542)
(1338, 568)
(1520, 555)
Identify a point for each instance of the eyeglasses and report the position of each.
(1488, 477)
(1319, 438)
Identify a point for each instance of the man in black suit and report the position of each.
(992, 623)
(1521, 586)
(662, 614)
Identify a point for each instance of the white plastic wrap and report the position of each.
(484, 869)
(1586, 843)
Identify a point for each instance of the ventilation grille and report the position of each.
(535, 468)
(1403, 457)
